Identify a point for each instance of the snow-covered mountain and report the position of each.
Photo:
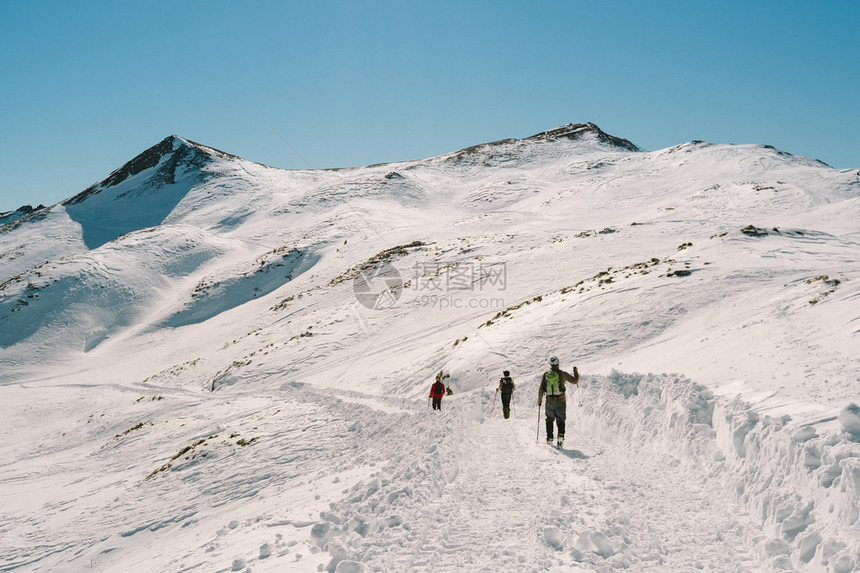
(210, 364)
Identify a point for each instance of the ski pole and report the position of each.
(494, 400)
(537, 434)
(581, 437)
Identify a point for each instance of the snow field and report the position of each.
(208, 393)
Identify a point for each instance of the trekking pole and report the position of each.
(537, 434)
(494, 400)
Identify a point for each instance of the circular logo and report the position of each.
(378, 286)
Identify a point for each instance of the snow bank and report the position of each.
(665, 413)
(802, 487)
(373, 520)
(849, 417)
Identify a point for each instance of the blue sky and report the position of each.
(88, 85)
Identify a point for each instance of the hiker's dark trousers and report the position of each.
(506, 405)
(555, 412)
(437, 403)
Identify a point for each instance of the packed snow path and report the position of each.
(518, 504)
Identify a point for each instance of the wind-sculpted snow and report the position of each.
(76, 301)
(81, 299)
(55, 236)
(214, 295)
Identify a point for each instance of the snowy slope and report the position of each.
(203, 371)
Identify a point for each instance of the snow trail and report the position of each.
(486, 518)
(654, 515)
(503, 501)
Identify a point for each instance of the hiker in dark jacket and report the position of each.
(553, 384)
(506, 387)
(437, 391)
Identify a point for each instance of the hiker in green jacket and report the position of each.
(553, 384)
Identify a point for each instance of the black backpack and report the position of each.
(507, 385)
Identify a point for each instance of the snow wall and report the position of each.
(802, 487)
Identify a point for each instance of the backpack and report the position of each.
(554, 383)
(507, 385)
(438, 388)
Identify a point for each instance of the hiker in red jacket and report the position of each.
(437, 390)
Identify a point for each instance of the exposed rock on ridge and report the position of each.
(577, 130)
(178, 151)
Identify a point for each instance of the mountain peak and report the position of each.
(142, 192)
(508, 148)
(578, 130)
(173, 156)
(167, 156)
